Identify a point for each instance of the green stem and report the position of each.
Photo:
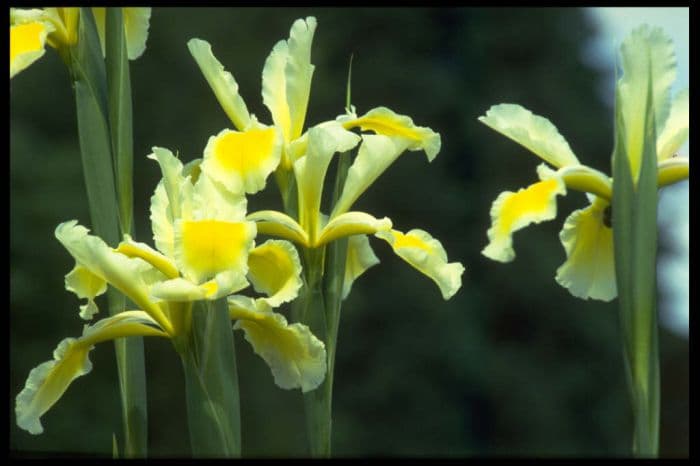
(211, 382)
(89, 80)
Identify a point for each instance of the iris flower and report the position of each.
(589, 270)
(31, 30)
(205, 250)
(243, 158)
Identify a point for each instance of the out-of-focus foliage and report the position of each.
(512, 365)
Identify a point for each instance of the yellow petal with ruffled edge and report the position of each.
(675, 131)
(271, 222)
(589, 271)
(206, 248)
(360, 257)
(324, 141)
(221, 82)
(511, 212)
(242, 161)
(136, 22)
(648, 61)
(27, 42)
(386, 122)
(531, 131)
(86, 285)
(49, 380)
(352, 223)
(375, 155)
(296, 357)
(131, 276)
(426, 254)
(274, 268)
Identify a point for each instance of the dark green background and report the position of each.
(512, 365)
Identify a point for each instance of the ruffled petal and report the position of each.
(511, 212)
(242, 161)
(221, 82)
(86, 285)
(375, 155)
(384, 121)
(296, 357)
(426, 254)
(360, 257)
(675, 131)
(131, 276)
(531, 131)
(27, 40)
(352, 223)
(589, 270)
(49, 380)
(274, 268)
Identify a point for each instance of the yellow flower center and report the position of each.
(212, 246)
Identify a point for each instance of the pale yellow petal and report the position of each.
(131, 248)
(298, 72)
(271, 222)
(511, 212)
(675, 131)
(531, 131)
(426, 254)
(136, 24)
(360, 257)
(296, 357)
(48, 381)
(274, 89)
(352, 223)
(274, 268)
(589, 270)
(86, 285)
(27, 44)
(384, 121)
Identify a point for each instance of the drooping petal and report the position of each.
(221, 82)
(386, 122)
(324, 140)
(296, 357)
(49, 380)
(271, 222)
(27, 39)
(86, 285)
(648, 62)
(360, 257)
(242, 161)
(589, 270)
(352, 223)
(511, 212)
(128, 275)
(673, 170)
(375, 155)
(426, 254)
(205, 248)
(274, 268)
(675, 131)
(531, 131)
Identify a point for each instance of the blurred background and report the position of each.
(513, 365)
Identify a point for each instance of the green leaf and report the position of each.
(213, 407)
(120, 114)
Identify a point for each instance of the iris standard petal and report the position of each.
(242, 161)
(48, 381)
(589, 270)
(296, 357)
(221, 82)
(386, 122)
(360, 257)
(86, 285)
(274, 268)
(511, 212)
(298, 72)
(531, 131)
(136, 22)
(426, 254)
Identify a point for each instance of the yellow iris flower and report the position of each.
(205, 249)
(31, 30)
(589, 271)
(243, 159)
